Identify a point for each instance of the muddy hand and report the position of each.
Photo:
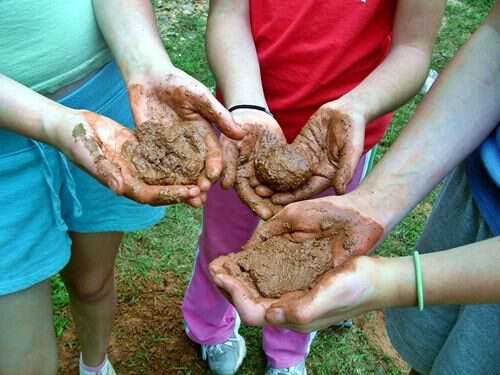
(335, 134)
(340, 294)
(351, 228)
(239, 161)
(95, 143)
(170, 96)
(169, 89)
(247, 300)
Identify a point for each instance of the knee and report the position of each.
(92, 287)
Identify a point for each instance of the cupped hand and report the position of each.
(353, 232)
(168, 96)
(335, 134)
(239, 156)
(343, 293)
(95, 143)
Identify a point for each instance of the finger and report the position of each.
(345, 147)
(214, 163)
(257, 204)
(138, 103)
(314, 186)
(195, 202)
(274, 227)
(230, 156)
(212, 110)
(161, 195)
(264, 191)
(253, 181)
(346, 170)
(204, 183)
(250, 307)
(203, 197)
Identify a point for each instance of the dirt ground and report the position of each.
(149, 338)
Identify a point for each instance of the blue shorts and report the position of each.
(43, 195)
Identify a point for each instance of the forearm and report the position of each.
(453, 119)
(464, 275)
(232, 54)
(28, 113)
(129, 28)
(399, 77)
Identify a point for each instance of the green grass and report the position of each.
(170, 245)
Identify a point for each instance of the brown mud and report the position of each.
(167, 155)
(278, 265)
(282, 166)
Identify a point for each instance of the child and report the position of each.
(294, 59)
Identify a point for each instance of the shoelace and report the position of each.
(214, 350)
(285, 371)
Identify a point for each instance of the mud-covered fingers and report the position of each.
(345, 147)
(304, 311)
(314, 186)
(267, 229)
(213, 111)
(138, 103)
(251, 307)
(262, 207)
(253, 181)
(161, 195)
(230, 156)
(213, 162)
(263, 191)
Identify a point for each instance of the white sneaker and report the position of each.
(227, 357)
(107, 369)
(299, 369)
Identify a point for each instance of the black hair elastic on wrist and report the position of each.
(249, 106)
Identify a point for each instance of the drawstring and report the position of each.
(69, 181)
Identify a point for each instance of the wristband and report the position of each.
(249, 106)
(419, 279)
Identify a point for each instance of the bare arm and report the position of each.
(399, 77)
(232, 54)
(129, 28)
(391, 84)
(457, 115)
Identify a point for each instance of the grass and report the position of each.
(170, 245)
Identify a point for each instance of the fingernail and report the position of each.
(194, 192)
(277, 315)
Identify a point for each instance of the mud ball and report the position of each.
(282, 167)
(167, 155)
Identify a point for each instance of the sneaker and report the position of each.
(346, 324)
(107, 369)
(226, 358)
(299, 369)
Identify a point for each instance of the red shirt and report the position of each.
(312, 52)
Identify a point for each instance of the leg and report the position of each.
(89, 278)
(227, 225)
(28, 342)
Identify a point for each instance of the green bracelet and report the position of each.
(420, 280)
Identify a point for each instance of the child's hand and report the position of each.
(170, 96)
(353, 233)
(336, 132)
(95, 143)
(239, 170)
(356, 287)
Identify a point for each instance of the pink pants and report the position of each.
(209, 317)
